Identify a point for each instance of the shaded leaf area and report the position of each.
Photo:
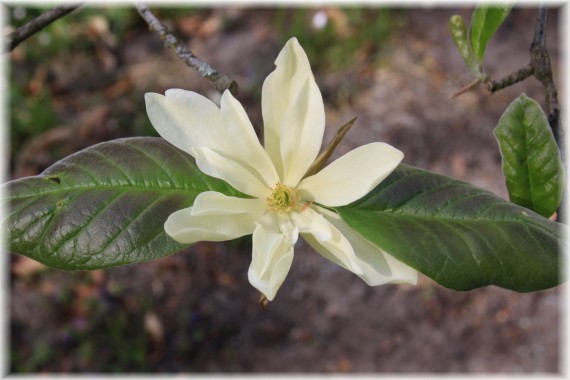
(531, 160)
(461, 236)
(485, 21)
(104, 206)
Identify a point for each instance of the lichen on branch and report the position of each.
(219, 81)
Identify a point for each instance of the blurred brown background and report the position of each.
(82, 81)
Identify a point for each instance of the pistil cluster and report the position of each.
(283, 198)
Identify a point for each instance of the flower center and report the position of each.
(282, 199)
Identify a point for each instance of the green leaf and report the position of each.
(461, 40)
(531, 159)
(461, 236)
(485, 21)
(104, 206)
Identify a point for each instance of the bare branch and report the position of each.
(465, 88)
(540, 60)
(540, 28)
(219, 81)
(540, 68)
(509, 80)
(26, 31)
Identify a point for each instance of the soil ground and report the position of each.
(196, 312)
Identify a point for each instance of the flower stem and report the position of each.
(263, 301)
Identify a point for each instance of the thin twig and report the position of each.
(540, 60)
(509, 80)
(219, 81)
(540, 68)
(26, 31)
(540, 28)
(465, 88)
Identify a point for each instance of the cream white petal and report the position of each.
(378, 266)
(326, 239)
(302, 129)
(186, 228)
(187, 120)
(280, 91)
(351, 176)
(240, 132)
(231, 171)
(272, 258)
(214, 203)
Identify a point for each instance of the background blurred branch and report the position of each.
(540, 68)
(540, 60)
(509, 80)
(26, 31)
(219, 81)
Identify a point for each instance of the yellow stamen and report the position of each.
(283, 198)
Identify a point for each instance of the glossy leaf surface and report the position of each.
(461, 236)
(531, 160)
(104, 206)
(485, 21)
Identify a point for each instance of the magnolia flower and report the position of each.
(283, 204)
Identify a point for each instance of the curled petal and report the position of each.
(272, 258)
(280, 91)
(187, 120)
(233, 172)
(302, 129)
(319, 232)
(378, 266)
(211, 222)
(240, 132)
(351, 176)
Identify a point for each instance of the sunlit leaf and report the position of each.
(531, 160)
(104, 206)
(485, 21)
(461, 40)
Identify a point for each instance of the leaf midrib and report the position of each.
(448, 219)
(141, 188)
(121, 230)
